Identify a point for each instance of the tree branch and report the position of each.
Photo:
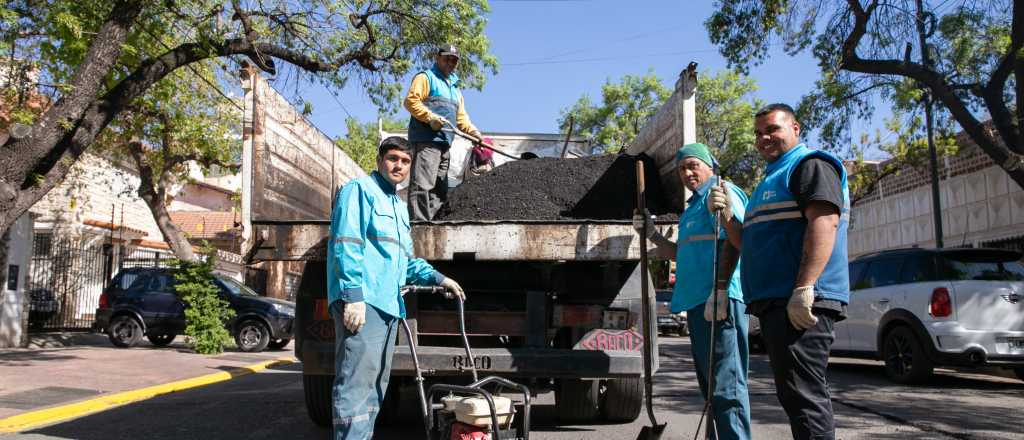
(250, 37)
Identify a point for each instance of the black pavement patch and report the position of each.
(45, 396)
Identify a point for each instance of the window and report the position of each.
(235, 288)
(882, 272)
(918, 269)
(162, 283)
(982, 265)
(856, 272)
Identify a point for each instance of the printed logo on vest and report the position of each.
(768, 195)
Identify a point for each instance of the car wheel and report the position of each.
(577, 400)
(683, 331)
(278, 344)
(252, 336)
(905, 359)
(124, 331)
(161, 340)
(623, 398)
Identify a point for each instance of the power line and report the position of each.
(619, 57)
(629, 38)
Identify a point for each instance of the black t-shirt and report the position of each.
(816, 179)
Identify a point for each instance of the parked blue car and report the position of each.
(141, 302)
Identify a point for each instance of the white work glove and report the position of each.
(799, 308)
(354, 316)
(719, 202)
(436, 122)
(722, 297)
(453, 289)
(638, 224)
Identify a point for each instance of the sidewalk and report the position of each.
(64, 368)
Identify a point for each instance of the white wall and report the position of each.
(981, 206)
(14, 304)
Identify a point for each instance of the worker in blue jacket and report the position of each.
(795, 275)
(369, 259)
(696, 293)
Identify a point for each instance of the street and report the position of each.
(269, 405)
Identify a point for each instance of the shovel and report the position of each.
(475, 140)
(654, 431)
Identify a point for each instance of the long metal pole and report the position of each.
(932, 155)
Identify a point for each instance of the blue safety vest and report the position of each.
(695, 246)
(369, 257)
(443, 100)
(773, 236)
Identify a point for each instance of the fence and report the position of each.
(68, 277)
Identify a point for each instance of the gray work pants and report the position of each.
(428, 183)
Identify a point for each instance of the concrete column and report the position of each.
(14, 302)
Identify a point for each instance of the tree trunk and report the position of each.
(172, 234)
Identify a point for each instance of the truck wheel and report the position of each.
(577, 400)
(391, 409)
(623, 399)
(319, 404)
(905, 359)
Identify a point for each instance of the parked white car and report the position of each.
(920, 308)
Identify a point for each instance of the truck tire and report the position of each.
(577, 400)
(905, 359)
(623, 399)
(319, 404)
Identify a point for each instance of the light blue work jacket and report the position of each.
(370, 253)
(694, 250)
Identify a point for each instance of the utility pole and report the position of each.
(923, 34)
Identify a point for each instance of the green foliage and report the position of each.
(361, 141)
(725, 118)
(970, 40)
(624, 109)
(205, 312)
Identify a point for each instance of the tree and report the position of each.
(623, 110)
(870, 51)
(362, 140)
(93, 67)
(725, 118)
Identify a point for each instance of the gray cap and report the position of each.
(448, 49)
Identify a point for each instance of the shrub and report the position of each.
(205, 312)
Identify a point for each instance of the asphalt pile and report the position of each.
(554, 189)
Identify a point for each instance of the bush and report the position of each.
(205, 312)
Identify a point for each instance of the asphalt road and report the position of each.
(270, 405)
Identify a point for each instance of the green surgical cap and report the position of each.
(698, 150)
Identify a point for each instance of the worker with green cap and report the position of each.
(697, 294)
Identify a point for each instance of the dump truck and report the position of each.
(552, 304)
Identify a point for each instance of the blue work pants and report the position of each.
(730, 405)
(362, 366)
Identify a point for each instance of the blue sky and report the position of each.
(552, 52)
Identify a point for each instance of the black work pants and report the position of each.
(799, 361)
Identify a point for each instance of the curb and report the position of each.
(51, 415)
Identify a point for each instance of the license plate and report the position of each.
(462, 362)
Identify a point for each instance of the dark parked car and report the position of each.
(668, 322)
(42, 306)
(141, 301)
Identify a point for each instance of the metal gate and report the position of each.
(67, 279)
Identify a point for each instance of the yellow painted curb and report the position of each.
(32, 419)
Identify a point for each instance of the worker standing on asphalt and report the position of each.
(369, 259)
(693, 292)
(795, 275)
(433, 99)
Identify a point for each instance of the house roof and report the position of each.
(205, 224)
(113, 227)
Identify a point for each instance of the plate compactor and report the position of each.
(467, 412)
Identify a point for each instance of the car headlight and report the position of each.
(284, 310)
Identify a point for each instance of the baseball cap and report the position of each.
(448, 49)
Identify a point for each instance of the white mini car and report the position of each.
(919, 308)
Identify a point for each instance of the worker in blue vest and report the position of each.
(795, 276)
(369, 259)
(696, 294)
(433, 102)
